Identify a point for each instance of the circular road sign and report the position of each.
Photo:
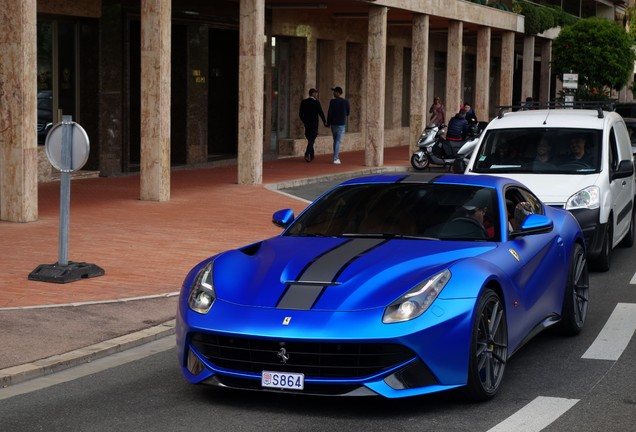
(79, 147)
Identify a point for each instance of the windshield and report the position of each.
(531, 150)
(399, 210)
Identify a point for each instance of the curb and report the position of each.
(338, 176)
(17, 374)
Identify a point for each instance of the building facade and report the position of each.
(160, 83)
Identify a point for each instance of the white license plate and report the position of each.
(283, 380)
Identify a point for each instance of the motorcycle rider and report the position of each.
(457, 127)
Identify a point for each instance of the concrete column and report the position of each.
(18, 112)
(419, 78)
(507, 68)
(376, 67)
(251, 63)
(482, 85)
(528, 68)
(546, 60)
(454, 67)
(156, 21)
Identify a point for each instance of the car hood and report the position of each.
(343, 274)
(555, 189)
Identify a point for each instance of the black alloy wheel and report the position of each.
(577, 294)
(488, 349)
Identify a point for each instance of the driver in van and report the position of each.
(577, 151)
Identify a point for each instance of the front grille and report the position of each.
(314, 359)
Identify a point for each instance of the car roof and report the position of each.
(548, 118)
(496, 182)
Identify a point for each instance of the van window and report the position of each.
(613, 151)
(540, 150)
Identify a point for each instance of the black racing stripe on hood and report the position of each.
(420, 178)
(303, 293)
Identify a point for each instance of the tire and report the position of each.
(488, 348)
(628, 240)
(602, 262)
(577, 294)
(420, 164)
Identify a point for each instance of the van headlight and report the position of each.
(202, 294)
(588, 198)
(415, 302)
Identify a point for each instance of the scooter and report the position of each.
(431, 136)
(434, 149)
(466, 151)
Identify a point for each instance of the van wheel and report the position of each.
(628, 240)
(602, 262)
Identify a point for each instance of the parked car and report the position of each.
(590, 170)
(394, 285)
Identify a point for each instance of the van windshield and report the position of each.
(546, 150)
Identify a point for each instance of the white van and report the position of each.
(580, 160)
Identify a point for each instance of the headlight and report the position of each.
(202, 293)
(588, 198)
(415, 302)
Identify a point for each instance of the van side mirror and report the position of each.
(625, 169)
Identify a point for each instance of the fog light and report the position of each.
(195, 366)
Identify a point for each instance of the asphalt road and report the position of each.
(552, 384)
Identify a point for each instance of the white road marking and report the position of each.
(633, 281)
(535, 416)
(615, 335)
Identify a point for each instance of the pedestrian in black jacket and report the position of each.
(310, 110)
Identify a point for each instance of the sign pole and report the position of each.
(67, 148)
(65, 188)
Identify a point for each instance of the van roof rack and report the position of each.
(599, 106)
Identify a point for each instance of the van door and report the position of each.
(621, 189)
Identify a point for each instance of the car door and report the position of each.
(541, 272)
(620, 188)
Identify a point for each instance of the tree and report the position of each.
(600, 51)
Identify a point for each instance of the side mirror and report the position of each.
(625, 169)
(534, 224)
(282, 218)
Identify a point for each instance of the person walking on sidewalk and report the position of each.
(337, 119)
(310, 110)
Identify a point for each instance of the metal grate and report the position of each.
(314, 359)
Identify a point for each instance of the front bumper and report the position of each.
(593, 230)
(434, 348)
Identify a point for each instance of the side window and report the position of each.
(613, 150)
(519, 204)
